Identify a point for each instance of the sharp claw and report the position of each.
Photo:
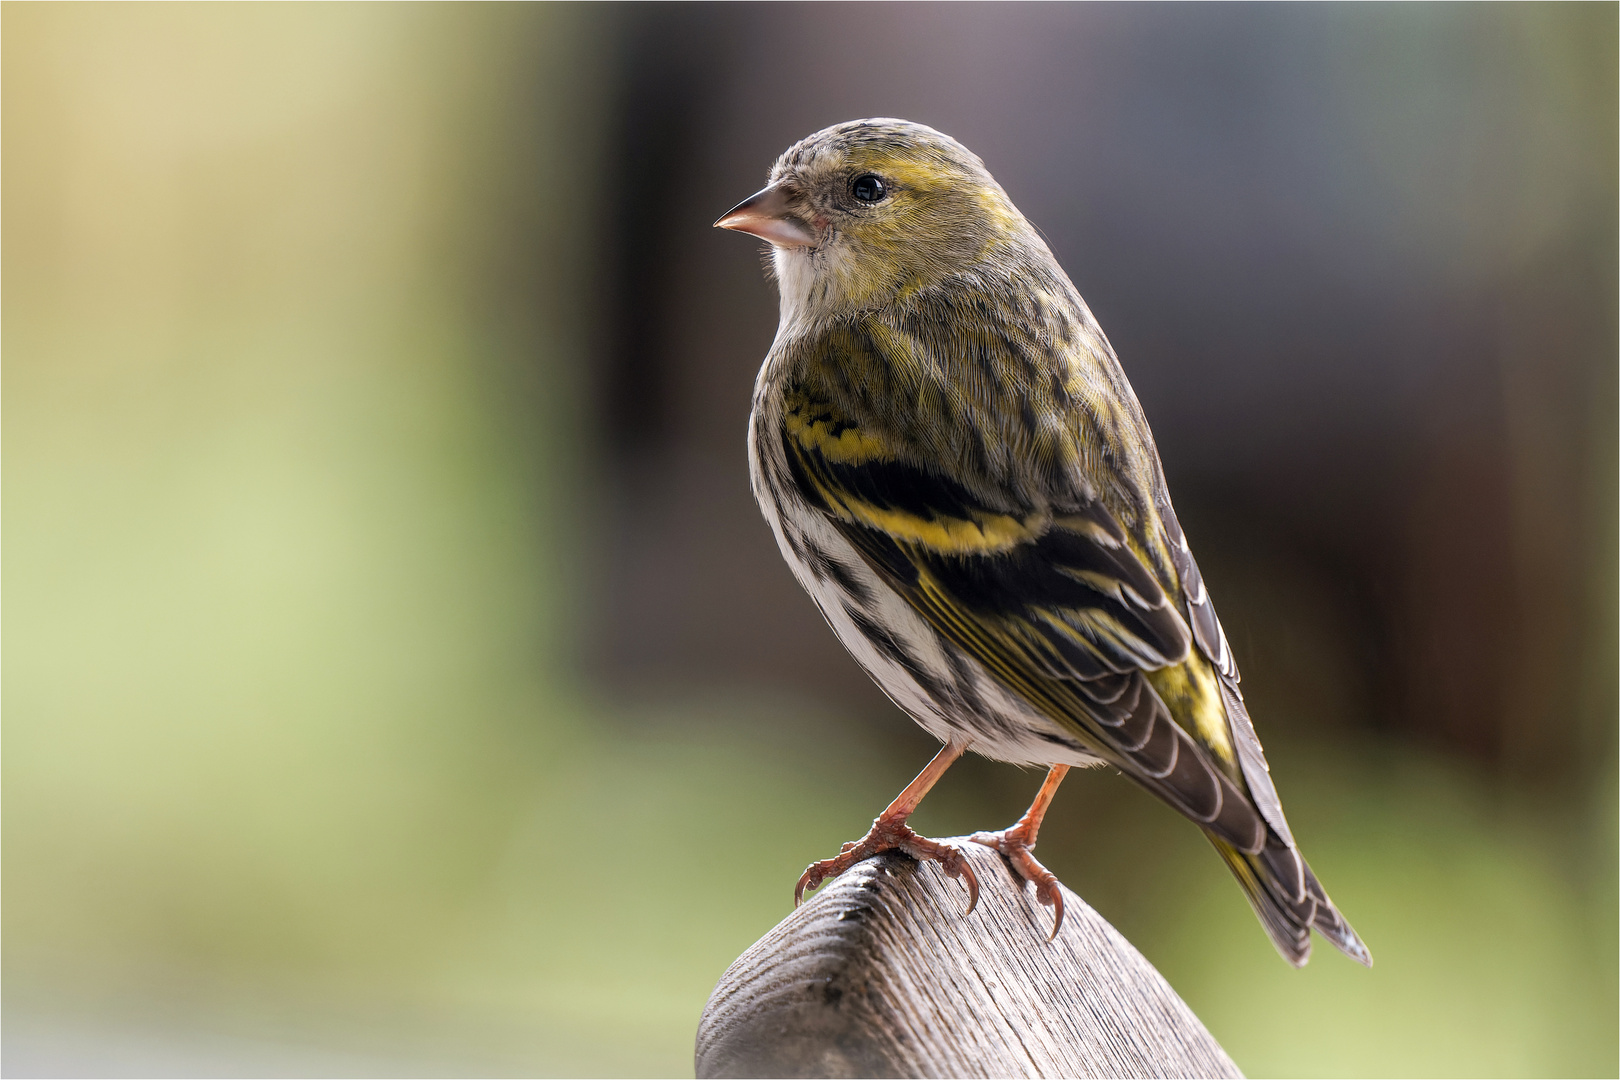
(950, 858)
(972, 886)
(1057, 923)
(955, 864)
(1047, 889)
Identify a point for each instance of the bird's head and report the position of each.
(870, 211)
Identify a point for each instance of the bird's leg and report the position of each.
(1016, 844)
(889, 831)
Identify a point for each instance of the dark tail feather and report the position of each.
(1290, 901)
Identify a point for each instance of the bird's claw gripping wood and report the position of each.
(1017, 842)
(891, 835)
(889, 832)
(1012, 844)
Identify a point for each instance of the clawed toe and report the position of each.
(889, 832)
(890, 836)
(1050, 894)
(955, 864)
(813, 876)
(1012, 844)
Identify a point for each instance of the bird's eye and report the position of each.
(868, 189)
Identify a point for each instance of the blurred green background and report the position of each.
(400, 681)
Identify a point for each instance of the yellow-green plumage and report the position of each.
(960, 475)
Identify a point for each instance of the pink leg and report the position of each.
(889, 832)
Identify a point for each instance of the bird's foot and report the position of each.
(890, 835)
(1016, 844)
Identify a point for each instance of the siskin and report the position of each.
(960, 475)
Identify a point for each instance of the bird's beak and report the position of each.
(766, 215)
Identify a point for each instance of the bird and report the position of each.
(958, 472)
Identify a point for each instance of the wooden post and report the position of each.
(881, 974)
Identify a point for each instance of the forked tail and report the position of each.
(1289, 900)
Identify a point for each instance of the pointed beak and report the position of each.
(766, 214)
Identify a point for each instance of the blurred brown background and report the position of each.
(401, 679)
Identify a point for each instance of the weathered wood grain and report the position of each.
(881, 974)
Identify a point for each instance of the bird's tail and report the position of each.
(1289, 900)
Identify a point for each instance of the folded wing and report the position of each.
(1061, 607)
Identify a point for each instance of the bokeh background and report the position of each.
(399, 679)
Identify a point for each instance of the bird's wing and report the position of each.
(1211, 639)
(1064, 608)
